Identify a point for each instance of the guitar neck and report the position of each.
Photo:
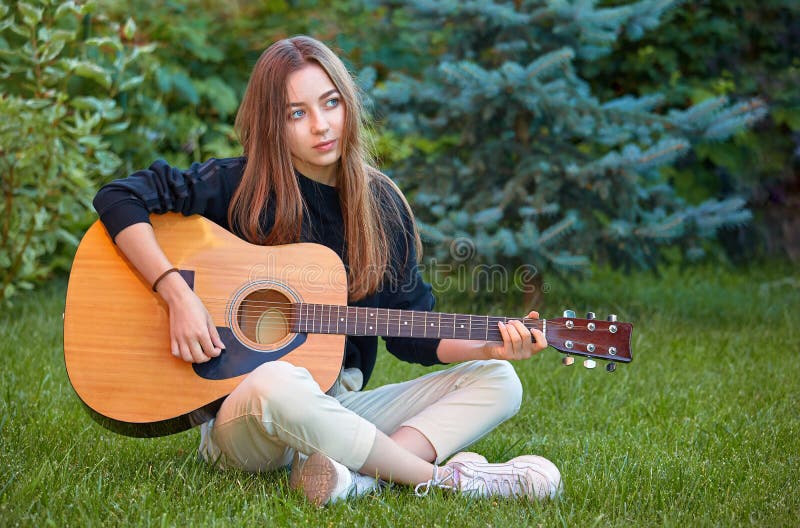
(384, 322)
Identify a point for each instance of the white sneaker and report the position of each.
(531, 477)
(324, 480)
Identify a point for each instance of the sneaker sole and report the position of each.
(316, 478)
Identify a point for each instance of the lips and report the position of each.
(325, 146)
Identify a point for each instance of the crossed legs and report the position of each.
(395, 432)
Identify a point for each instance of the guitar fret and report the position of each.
(365, 314)
(330, 311)
(404, 324)
(492, 330)
(446, 329)
(436, 324)
(314, 328)
(373, 321)
(328, 328)
(461, 328)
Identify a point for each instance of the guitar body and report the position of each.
(116, 330)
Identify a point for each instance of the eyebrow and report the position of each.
(323, 96)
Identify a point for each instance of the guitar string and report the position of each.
(291, 305)
(323, 306)
(396, 318)
(388, 317)
(217, 300)
(359, 324)
(393, 319)
(420, 327)
(599, 353)
(493, 332)
(445, 320)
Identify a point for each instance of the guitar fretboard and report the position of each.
(360, 321)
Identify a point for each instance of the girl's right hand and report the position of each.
(193, 335)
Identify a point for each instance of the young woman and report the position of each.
(305, 176)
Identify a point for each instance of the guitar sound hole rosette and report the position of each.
(262, 314)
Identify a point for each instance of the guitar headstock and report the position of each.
(592, 338)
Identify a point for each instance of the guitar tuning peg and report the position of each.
(569, 314)
(611, 367)
(590, 315)
(590, 363)
(612, 318)
(567, 361)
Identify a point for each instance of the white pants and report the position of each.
(279, 408)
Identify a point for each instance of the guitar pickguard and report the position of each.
(238, 358)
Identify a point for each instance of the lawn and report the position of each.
(701, 429)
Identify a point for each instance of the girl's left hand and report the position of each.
(518, 341)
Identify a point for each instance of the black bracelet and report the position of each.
(155, 284)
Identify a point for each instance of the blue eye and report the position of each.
(333, 102)
(297, 114)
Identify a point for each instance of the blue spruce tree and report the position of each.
(503, 144)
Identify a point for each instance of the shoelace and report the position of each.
(423, 488)
(505, 485)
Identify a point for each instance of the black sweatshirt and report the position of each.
(206, 189)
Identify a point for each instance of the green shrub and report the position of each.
(58, 109)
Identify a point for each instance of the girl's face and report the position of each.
(315, 119)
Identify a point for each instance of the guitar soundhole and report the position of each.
(264, 316)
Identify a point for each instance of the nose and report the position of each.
(320, 125)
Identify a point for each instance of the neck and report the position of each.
(323, 175)
(350, 320)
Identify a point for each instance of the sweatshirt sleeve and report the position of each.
(204, 189)
(409, 292)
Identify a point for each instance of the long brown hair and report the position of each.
(370, 214)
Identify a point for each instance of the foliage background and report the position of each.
(735, 48)
(124, 83)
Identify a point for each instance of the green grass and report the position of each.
(701, 429)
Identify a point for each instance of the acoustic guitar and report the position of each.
(268, 303)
